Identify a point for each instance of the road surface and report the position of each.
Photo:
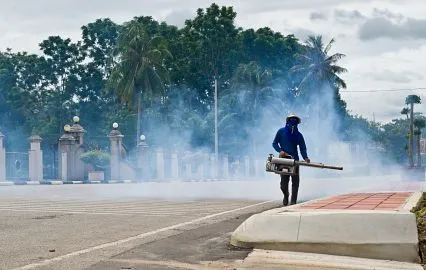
(88, 226)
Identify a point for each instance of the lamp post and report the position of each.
(216, 136)
(115, 137)
(143, 159)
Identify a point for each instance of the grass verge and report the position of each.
(420, 212)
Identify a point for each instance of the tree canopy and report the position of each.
(100, 76)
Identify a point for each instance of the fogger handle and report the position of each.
(318, 165)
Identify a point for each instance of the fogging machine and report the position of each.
(288, 165)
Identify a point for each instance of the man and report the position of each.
(286, 141)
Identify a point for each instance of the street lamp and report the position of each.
(76, 119)
(67, 128)
(115, 125)
(142, 138)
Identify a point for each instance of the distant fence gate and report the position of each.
(17, 166)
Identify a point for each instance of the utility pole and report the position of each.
(216, 137)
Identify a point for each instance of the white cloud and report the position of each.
(348, 17)
(376, 28)
(316, 15)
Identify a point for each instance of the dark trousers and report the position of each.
(295, 179)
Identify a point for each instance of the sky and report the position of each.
(384, 41)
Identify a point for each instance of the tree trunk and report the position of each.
(419, 156)
(411, 141)
(138, 124)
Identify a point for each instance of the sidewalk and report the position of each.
(374, 225)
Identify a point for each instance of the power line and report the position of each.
(383, 90)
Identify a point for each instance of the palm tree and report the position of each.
(319, 68)
(419, 123)
(405, 111)
(141, 70)
(252, 83)
(411, 100)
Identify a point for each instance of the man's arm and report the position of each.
(275, 142)
(302, 147)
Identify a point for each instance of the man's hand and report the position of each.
(283, 154)
(307, 160)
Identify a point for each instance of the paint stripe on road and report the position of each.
(137, 237)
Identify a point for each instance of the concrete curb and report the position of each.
(59, 182)
(375, 234)
(268, 259)
(6, 183)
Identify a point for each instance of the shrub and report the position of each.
(98, 159)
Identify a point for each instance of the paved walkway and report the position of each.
(361, 201)
(376, 225)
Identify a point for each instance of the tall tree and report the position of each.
(411, 100)
(99, 42)
(405, 111)
(252, 85)
(320, 67)
(63, 62)
(320, 70)
(141, 70)
(211, 42)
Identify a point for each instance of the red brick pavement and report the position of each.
(361, 201)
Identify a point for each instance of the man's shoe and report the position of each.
(285, 201)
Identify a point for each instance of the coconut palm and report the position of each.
(252, 82)
(405, 111)
(419, 123)
(319, 69)
(318, 66)
(411, 100)
(141, 71)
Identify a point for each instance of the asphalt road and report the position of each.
(115, 227)
(83, 226)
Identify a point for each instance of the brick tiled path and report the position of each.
(362, 201)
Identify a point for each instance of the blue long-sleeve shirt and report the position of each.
(282, 142)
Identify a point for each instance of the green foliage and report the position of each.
(99, 79)
(97, 158)
(412, 99)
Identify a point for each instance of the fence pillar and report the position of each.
(35, 159)
(116, 138)
(206, 166)
(247, 166)
(258, 168)
(200, 170)
(143, 160)
(188, 171)
(236, 168)
(77, 131)
(160, 163)
(2, 159)
(66, 157)
(225, 168)
(175, 166)
(63, 166)
(213, 167)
